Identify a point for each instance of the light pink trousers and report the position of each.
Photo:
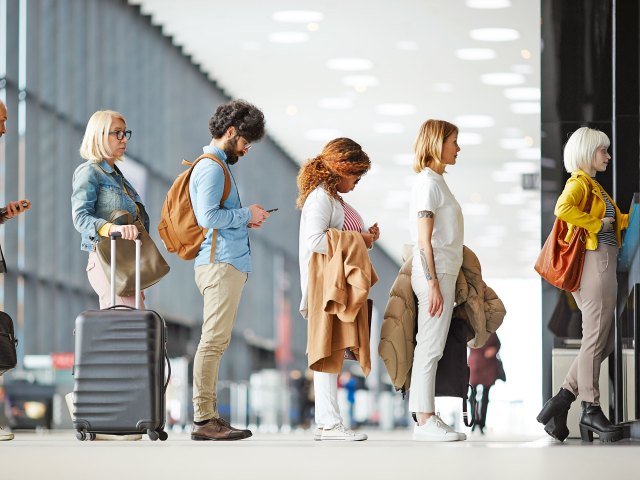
(102, 285)
(596, 299)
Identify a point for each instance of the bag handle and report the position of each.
(114, 236)
(116, 214)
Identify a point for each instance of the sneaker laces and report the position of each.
(441, 424)
(341, 428)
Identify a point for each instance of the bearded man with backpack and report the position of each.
(219, 223)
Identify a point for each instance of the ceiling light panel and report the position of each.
(388, 127)
(322, 134)
(522, 93)
(350, 64)
(475, 53)
(335, 103)
(525, 108)
(494, 34)
(360, 80)
(469, 138)
(298, 16)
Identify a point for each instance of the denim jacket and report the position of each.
(99, 190)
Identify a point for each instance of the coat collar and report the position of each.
(104, 165)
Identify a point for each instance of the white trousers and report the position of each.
(325, 388)
(430, 341)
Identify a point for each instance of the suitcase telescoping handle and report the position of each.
(138, 241)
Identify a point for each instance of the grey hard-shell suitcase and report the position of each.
(119, 368)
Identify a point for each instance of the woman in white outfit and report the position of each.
(437, 231)
(321, 182)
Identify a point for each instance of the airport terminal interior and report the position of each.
(517, 78)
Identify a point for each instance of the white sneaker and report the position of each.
(340, 432)
(5, 435)
(435, 430)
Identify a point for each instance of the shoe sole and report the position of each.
(437, 439)
(343, 439)
(586, 434)
(198, 438)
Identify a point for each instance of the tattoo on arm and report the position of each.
(425, 214)
(425, 266)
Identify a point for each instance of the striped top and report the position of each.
(607, 238)
(352, 219)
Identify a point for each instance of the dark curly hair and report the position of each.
(247, 119)
(340, 157)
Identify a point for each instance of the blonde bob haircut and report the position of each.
(428, 145)
(580, 150)
(95, 144)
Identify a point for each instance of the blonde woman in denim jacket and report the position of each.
(99, 189)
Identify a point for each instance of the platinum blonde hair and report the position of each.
(580, 149)
(95, 144)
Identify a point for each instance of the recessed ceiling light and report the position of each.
(313, 27)
(529, 153)
(298, 16)
(388, 127)
(322, 134)
(528, 140)
(522, 93)
(469, 138)
(513, 143)
(525, 108)
(494, 34)
(502, 78)
(443, 87)
(291, 110)
(396, 109)
(475, 53)
(288, 37)
(350, 64)
(360, 80)
(403, 158)
(474, 121)
(408, 45)
(488, 4)
(335, 103)
(526, 54)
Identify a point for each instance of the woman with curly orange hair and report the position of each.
(321, 182)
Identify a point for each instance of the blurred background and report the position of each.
(516, 76)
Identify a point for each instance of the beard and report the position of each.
(230, 150)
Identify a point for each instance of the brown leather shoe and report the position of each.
(214, 429)
(228, 425)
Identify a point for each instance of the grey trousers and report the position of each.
(596, 299)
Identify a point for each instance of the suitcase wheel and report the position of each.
(81, 435)
(153, 435)
(163, 435)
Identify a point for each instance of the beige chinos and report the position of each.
(221, 286)
(596, 299)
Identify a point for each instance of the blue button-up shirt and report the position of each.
(205, 188)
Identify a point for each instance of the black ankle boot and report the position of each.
(593, 420)
(554, 414)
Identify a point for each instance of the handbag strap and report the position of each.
(116, 214)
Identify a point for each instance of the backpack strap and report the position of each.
(225, 194)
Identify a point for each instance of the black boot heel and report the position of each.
(593, 420)
(557, 427)
(586, 434)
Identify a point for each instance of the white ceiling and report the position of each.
(410, 47)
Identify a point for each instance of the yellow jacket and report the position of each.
(572, 202)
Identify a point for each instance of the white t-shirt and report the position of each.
(430, 192)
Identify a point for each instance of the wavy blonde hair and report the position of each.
(428, 145)
(95, 144)
(340, 157)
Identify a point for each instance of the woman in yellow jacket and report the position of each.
(585, 155)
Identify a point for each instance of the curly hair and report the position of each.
(247, 119)
(339, 158)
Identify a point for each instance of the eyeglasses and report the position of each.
(120, 134)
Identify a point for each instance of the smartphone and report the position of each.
(24, 204)
(272, 210)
